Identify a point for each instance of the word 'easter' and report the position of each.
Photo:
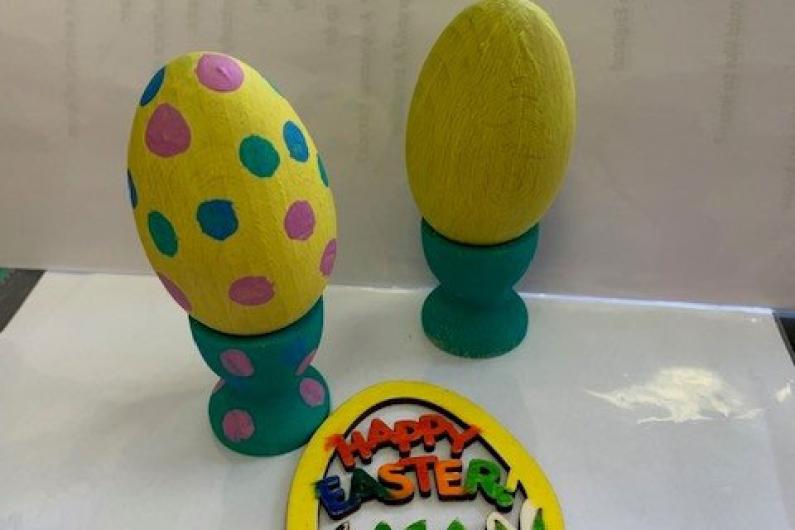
(395, 484)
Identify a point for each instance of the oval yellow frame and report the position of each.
(303, 505)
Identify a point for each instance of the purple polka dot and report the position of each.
(175, 292)
(305, 363)
(219, 385)
(251, 290)
(299, 223)
(238, 425)
(329, 256)
(237, 363)
(312, 392)
(219, 72)
(167, 133)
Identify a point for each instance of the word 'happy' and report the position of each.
(394, 484)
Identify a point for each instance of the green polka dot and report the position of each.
(259, 156)
(322, 169)
(163, 234)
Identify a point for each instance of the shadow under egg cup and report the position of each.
(269, 400)
(475, 312)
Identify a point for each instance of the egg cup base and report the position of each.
(474, 331)
(269, 425)
(475, 312)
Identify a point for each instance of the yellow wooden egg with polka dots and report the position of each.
(491, 123)
(230, 196)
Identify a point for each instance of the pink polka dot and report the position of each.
(238, 425)
(175, 292)
(167, 133)
(251, 290)
(219, 385)
(305, 363)
(312, 392)
(236, 362)
(219, 72)
(299, 223)
(329, 256)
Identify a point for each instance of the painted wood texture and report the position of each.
(491, 123)
(230, 196)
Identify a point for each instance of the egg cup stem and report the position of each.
(269, 399)
(475, 312)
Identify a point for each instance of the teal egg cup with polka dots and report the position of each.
(475, 312)
(269, 400)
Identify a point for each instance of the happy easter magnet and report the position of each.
(414, 456)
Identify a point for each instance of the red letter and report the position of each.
(406, 434)
(378, 435)
(460, 441)
(433, 427)
(348, 452)
(359, 445)
(338, 443)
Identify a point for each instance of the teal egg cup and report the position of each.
(269, 400)
(475, 312)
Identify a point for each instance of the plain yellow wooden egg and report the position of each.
(491, 123)
(230, 196)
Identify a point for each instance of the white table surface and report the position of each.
(642, 416)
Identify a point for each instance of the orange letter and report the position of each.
(392, 476)
(448, 479)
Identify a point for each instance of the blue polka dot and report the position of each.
(131, 187)
(322, 170)
(217, 218)
(154, 85)
(296, 143)
(163, 234)
(259, 156)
